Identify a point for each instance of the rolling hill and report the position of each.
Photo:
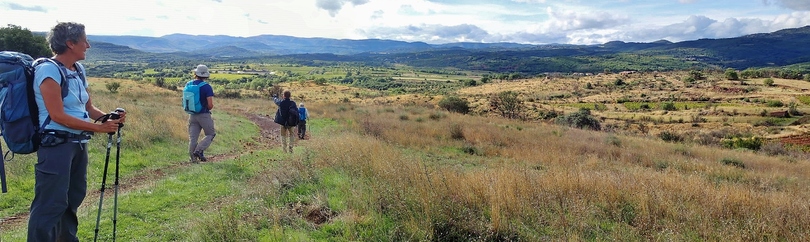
(780, 48)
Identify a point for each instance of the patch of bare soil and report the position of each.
(268, 138)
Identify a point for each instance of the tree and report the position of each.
(508, 104)
(16, 38)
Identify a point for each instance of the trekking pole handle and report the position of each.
(118, 112)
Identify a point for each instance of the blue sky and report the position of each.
(431, 21)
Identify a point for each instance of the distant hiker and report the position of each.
(61, 168)
(302, 123)
(287, 116)
(198, 100)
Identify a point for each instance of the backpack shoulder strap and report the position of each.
(82, 75)
(62, 70)
(63, 84)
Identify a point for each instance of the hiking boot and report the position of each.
(199, 156)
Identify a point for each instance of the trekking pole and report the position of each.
(3, 172)
(103, 183)
(117, 164)
(104, 118)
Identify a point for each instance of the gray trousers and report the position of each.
(196, 123)
(61, 185)
(302, 129)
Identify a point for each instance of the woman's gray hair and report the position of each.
(63, 32)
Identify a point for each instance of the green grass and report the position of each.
(590, 106)
(634, 106)
(167, 198)
(229, 77)
(804, 99)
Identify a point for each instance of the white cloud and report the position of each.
(433, 21)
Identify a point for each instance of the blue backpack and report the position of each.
(191, 97)
(19, 121)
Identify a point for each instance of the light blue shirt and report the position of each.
(75, 101)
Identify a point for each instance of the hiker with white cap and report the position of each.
(198, 100)
(302, 123)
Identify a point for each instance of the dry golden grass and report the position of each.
(436, 172)
(510, 179)
(148, 123)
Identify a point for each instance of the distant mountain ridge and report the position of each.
(279, 44)
(783, 47)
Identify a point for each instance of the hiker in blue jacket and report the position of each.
(287, 140)
(61, 168)
(202, 120)
(302, 124)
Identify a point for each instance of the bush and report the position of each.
(456, 132)
(230, 93)
(768, 82)
(160, 82)
(775, 103)
(668, 106)
(774, 148)
(436, 116)
(751, 143)
(455, 104)
(670, 136)
(733, 162)
(582, 119)
(113, 87)
(731, 74)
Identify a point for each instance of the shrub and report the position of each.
(731, 74)
(582, 119)
(768, 82)
(160, 82)
(774, 148)
(733, 162)
(668, 106)
(793, 109)
(455, 104)
(113, 87)
(436, 116)
(613, 140)
(456, 132)
(275, 90)
(774, 103)
(670, 136)
(751, 143)
(472, 150)
(230, 93)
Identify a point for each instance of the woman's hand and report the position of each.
(111, 126)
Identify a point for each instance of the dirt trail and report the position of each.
(269, 138)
